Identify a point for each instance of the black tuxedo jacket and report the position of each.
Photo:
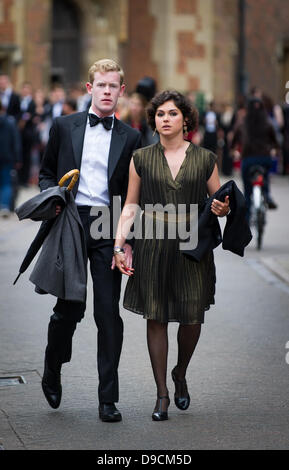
(64, 151)
(29, 132)
(13, 108)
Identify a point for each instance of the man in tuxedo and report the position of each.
(57, 100)
(11, 107)
(10, 100)
(27, 130)
(100, 146)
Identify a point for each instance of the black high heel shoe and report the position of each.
(161, 415)
(182, 397)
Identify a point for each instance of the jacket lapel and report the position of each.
(118, 140)
(77, 136)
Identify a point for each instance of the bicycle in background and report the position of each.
(258, 203)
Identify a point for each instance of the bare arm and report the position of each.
(126, 219)
(213, 184)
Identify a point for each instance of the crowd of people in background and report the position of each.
(26, 117)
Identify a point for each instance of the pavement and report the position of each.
(238, 378)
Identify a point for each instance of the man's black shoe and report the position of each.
(109, 413)
(51, 386)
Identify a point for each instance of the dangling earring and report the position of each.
(185, 129)
(154, 132)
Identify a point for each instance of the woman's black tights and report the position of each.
(188, 337)
(157, 340)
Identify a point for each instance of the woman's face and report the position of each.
(169, 119)
(136, 107)
(39, 96)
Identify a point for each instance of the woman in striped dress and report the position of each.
(164, 285)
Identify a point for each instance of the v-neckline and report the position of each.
(174, 180)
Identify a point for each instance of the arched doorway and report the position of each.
(66, 45)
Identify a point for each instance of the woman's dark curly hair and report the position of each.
(189, 112)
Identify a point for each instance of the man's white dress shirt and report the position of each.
(93, 178)
(5, 97)
(25, 101)
(57, 109)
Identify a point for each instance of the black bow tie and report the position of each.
(105, 121)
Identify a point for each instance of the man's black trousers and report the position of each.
(106, 291)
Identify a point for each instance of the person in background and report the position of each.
(226, 118)
(79, 93)
(211, 127)
(122, 106)
(285, 146)
(10, 100)
(69, 107)
(195, 135)
(146, 87)
(27, 130)
(237, 121)
(41, 120)
(254, 139)
(275, 116)
(135, 117)
(10, 158)
(239, 113)
(11, 107)
(256, 92)
(57, 99)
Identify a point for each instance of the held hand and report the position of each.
(119, 260)
(123, 261)
(128, 254)
(220, 208)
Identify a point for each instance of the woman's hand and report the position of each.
(123, 261)
(128, 253)
(220, 208)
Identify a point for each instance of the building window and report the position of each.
(66, 50)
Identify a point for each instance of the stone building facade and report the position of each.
(190, 45)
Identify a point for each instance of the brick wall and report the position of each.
(189, 48)
(189, 60)
(137, 54)
(225, 49)
(186, 7)
(37, 48)
(6, 24)
(267, 26)
(25, 28)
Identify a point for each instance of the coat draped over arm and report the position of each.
(61, 268)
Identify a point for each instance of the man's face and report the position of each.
(105, 91)
(26, 90)
(57, 94)
(4, 82)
